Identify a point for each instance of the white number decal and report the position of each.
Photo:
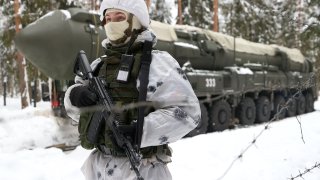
(210, 82)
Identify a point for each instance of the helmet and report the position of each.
(135, 7)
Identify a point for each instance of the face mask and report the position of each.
(119, 33)
(115, 30)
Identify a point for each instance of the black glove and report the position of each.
(82, 96)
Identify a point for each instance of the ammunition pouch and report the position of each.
(106, 142)
(83, 126)
(104, 136)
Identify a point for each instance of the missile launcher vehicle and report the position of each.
(236, 81)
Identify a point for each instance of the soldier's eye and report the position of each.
(108, 19)
(120, 17)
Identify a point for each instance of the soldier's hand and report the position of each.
(82, 96)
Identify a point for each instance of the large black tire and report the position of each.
(203, 124)
(220, 115)
(279, 106)
(246, 111)
(263, 109)
(301, 104)
(292, 107)
(57, 111)
(309, 102)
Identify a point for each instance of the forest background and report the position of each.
(290, 23)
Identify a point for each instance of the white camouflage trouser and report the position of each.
(99, 166)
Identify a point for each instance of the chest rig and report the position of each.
(120, 72)
(120, 75)
(122, 92)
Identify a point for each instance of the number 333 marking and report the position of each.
(210, 82)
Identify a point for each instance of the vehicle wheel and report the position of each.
(292, 108)
(57, 112)
(63, 112)
(246, 111)
(301, 104)
(203, 124)
(263, 109)
(220, 115)
(279, 103)
(309, 102)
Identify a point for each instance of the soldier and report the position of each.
(176, 109)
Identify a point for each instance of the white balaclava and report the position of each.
(137, 17)
(120, 32)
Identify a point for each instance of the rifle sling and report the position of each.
(144, 81)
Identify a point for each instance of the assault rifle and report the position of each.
(83, 69)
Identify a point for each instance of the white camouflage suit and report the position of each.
(177, 112)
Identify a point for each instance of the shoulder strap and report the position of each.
(144, 81)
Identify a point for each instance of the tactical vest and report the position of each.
(121, 94)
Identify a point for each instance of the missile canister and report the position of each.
(52, 42)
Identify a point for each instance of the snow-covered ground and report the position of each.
(279, 153)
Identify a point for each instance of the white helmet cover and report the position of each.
(135, 7)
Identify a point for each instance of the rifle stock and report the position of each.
(83, 69)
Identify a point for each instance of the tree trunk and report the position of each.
(215, 16)
(179, 12)
(148, 3)
(21, 66)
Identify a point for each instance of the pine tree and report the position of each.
(159, 11)
(197, 13)
(8, 52)
(287, 30)
(299, 28)
(310, 32)
(251, 20)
